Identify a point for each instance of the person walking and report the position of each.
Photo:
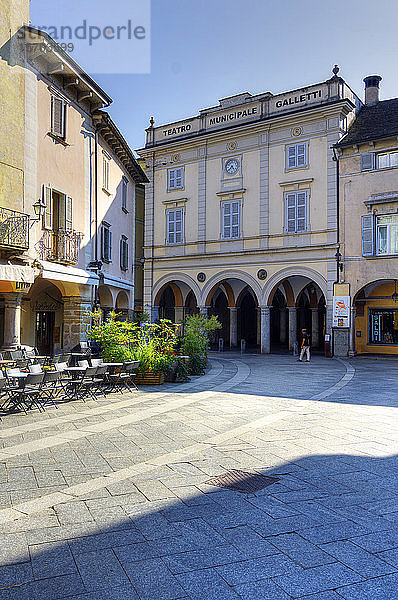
(305, 346)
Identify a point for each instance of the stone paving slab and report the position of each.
(108, 499)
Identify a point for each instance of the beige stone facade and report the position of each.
(76, 164)
(368, 164)
(241, 214)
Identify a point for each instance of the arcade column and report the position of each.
(292, 326)
(12, 320)
(233, 326)
(265, 330)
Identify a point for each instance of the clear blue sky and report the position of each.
(203, 50)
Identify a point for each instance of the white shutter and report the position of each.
(68, 214)
(291, 213)
(301, 211)
(226, 220)
(291, 157)
(368, 235)
(178, 182)
(178, 226)
(235, 218)
(367, 161)
(170, 227)
(172, 183)
(48, 213)
(301, 152)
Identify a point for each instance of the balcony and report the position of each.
(14, 230)
(60, 246)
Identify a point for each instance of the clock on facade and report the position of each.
(231, 166)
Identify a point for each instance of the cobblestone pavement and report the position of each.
(108, 500)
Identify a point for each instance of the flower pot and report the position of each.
(149, 378)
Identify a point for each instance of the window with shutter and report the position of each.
(124, 193)
(175, 179)
(231, 220)
(48, 212)
(367, 161)
(175, 227)
(296, 211)
(106, 243)
(368, 235)
(64, 212)
(296, 156)
(58, 116)
(124, 254)
(105, 173)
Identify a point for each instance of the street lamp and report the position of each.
(39, 207)
(95, 266)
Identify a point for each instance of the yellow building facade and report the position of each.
(368, 161)
(241, 214)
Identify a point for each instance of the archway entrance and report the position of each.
(375, 327)
(236, 306)
(174, 301)
(296, 303)
(247, 319)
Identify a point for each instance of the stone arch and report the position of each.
(219, 278)
(228, 292)
(175, 278)
(105, 297)
(279, 277)
(246, 289)
(122, 300)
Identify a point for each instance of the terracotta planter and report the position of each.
(149, 378)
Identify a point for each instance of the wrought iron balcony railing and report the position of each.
(14, 230)
(60, 246)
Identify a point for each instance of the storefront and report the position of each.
(376, 319)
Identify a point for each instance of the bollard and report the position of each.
(221, 345)
(242, 346)
(295, 349)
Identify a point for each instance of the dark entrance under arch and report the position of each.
(247, 320)
(279, 323)
(219, 308)
(167, 304)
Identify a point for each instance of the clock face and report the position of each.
(231, 166)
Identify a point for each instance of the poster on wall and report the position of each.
(341, 311)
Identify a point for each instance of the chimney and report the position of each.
(372, 89)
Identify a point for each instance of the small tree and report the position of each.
(195, 342)
(115, 337)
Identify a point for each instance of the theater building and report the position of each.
(241, 214)
(368, 161)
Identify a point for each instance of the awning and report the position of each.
(59, 272)
(19, 273)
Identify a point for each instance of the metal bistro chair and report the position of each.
(82, 383)
(124, 378)
(51, 387)
(28, 394)
(100, 379)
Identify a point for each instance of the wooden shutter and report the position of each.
(367, 161)
(178, 226)
(170, 227)
(235, 219)
(178, 178)
(291, 212)
(48, 213)
(301, 155)
(301, 209)
(68, 214)
(172, 180)
(291, 156)
(57, 116)
(103, 242)
(368, 235)
(110, 245)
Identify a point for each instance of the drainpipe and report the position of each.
(153, 229)
(337, 255)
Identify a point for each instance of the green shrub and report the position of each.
(195, 343)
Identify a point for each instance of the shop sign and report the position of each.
(341, 311)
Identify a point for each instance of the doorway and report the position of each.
(45, 322)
